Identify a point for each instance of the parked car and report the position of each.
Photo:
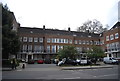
(47, 61)
(83, 61)
(31, 61)
(71, 62)
(110, 60)
(78, 61)
(40, 61)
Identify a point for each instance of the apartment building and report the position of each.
(42, 43)
(112, 41)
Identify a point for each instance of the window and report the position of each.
(83, 41)
(116, 36)
(48, 49)
(35, 39)
(107, 38)
(29, 48)
(117, 45)
(75, 41)
(54, 49)
(36, 48)
(53, 40)
(70, 41)
(57, 40)
(111, 37)
(96, 42)
(62, 40)
(48, 40)
(108, 46)
(40, 39)
(24, 48)
(59, 47)
(87, 42)
(66, 40)
(102, 41)
(91, 42)
(41, 48)
(30, 39)
(80, 42)
(24, 39)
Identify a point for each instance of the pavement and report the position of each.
(10, 69)
(102, 65)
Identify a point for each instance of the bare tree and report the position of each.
(91, 26)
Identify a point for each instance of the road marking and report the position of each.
(105, 75)
(72, 78)
(18, 70)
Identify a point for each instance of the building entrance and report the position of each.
(29, 57)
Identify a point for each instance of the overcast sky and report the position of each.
(61, 14)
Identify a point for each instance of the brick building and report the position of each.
(41, 43)
(112, 41)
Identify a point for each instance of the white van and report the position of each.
(110, 60)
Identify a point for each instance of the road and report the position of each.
(51, 71)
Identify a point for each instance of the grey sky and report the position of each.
(61, 14)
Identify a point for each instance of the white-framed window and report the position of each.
(24, 39)
(76, 42)
(57, 40)
(66, 40)
(35, 39)
(36, 48)
(53, 40)
(80, 42)
(83, 42)
(59, 47)
(70, 41)
(29, 48)
(63, 40)
(53, 48)
(24, 48)
(48, 40)
(116, 36)
(91, 42)
(111, 37)
(40, 39)
(87, 42)
(107, 38)
(60, 41)
(48, 48)
(30, 39)
(41, 48)
(96, 42)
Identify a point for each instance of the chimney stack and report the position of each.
(68, 28)
(43, 27)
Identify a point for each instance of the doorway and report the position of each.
(29, 57)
